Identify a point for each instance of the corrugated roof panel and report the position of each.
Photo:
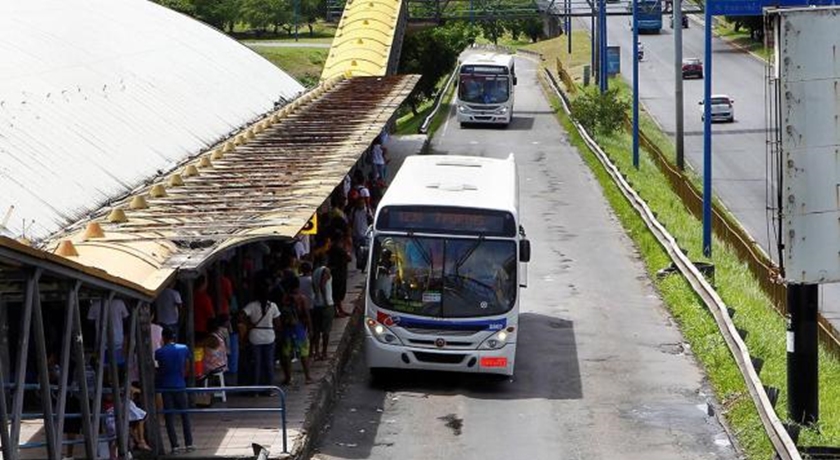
(97, 96)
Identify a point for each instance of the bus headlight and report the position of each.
(497, 340)
(462, 108)
(502, 110)
(380, 332)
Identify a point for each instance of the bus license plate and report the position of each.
(492, 361)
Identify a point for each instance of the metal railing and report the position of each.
(233, 410)
(779, 437)
(424, 128)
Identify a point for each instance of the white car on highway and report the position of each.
(722, 108)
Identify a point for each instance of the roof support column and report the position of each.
(23, 356)
(53, 450)
(113, 371)
(66, 346)
(104, 322)
(147, 378)
(190, 340)
(81, 378)
(4, 411)
(130, 359)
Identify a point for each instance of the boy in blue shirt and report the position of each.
(173, 359)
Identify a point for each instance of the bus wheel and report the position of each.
(378, 375)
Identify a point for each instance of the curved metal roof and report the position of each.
(99, 96)
(364, 40)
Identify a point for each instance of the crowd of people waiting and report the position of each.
(265, 304)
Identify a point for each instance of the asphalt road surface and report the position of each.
(602, 372)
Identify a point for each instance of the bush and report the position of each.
(601, 113)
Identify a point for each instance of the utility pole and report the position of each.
(802, 354)
(635, 84)
(678, 82)
(602, 48)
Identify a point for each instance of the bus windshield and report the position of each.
(483, 88)
(444, 277)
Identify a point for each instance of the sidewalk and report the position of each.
(229, 436)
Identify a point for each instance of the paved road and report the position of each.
(739, 158)
(601, 369)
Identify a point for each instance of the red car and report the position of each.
(692, 67)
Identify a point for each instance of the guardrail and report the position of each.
(782, 443)
(424, 128)
(233, 410)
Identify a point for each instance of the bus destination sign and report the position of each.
(431, 219)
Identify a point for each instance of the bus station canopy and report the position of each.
(136, 142)
(265, 183)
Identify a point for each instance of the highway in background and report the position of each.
(601, 370)
(739, 159)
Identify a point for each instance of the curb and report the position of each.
(322, 404)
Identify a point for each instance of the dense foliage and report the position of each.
(259, 15)
(433, 53)
(600, 113)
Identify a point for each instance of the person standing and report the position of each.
(263, 317)
(378, 158)
(322, 308)
(173, 359)
(203, 307)
(338, 256)
(168, 309)
(117, 312)
(294, 316)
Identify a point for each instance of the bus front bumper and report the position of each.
(380, 355)
(483, 116)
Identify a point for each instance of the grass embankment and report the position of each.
(754, 312)
(409, 123)
(741, 38)
(304, 64)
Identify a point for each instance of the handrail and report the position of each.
(424, 128)
(782, 443)
(228, 410)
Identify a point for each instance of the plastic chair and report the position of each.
(220, 376)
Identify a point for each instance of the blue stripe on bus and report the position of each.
(475, 325)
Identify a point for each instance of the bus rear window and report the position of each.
(441, 220)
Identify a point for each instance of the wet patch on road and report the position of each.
(453, 422)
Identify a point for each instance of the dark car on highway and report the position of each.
(692, 67)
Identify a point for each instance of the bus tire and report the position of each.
(378, 375)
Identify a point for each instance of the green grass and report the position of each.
(304, 64)
(766, 329)
(742, 38)
(557, 48)
(322, 32)
(409, 123)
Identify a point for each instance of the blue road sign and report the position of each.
(754, 7)
(613, 60)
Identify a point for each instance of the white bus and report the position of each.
(485, 88)
(447, 259)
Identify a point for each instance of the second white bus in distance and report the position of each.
(446, 250)
(485, 88)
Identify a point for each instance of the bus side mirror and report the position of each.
(514, 81)
(524, 251)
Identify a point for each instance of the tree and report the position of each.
(262, 14)
(534, 28)
(492, 29)
(755, 25)
(221, 14)
(433, 53)
(602, 113)
(182, 6)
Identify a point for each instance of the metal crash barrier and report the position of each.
(234, 410)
